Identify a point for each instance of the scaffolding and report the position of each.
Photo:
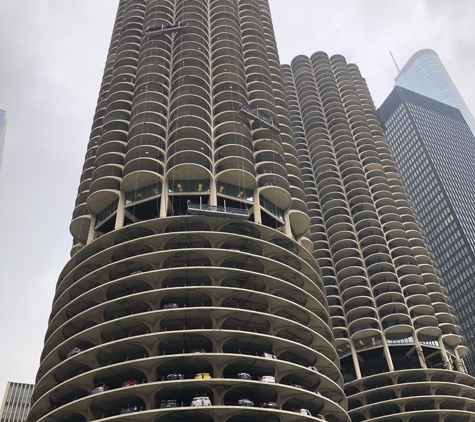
(218, 211)
(164, 30)
(260, 117)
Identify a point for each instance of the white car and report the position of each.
(267, 378)
(268, 355)
(304, 412)
(201, 401)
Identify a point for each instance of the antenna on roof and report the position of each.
(395, 64)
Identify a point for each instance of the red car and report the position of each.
(129, 383)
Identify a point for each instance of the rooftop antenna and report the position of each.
(395, 64)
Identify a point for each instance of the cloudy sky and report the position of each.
(52, 54)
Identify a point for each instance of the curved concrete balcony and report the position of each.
(237, 301)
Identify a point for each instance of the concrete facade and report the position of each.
(210, 254)
(399, 346)
(190, 252)
(16, 402)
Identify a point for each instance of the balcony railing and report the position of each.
(218, 211)
(260, 117)
(170, 29)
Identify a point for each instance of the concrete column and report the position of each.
(287, 227)
(448, 364)
(213, 194)
(164, 201)
(355, 361)
(119, 218)
(388, 354)
(420, 353)
(92, 232)
(257, 208)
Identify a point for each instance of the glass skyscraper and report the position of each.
(3, 128)
(16, 402)
(435, 152)
(425, 74)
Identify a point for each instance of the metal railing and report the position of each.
(213, 210)
(256, 115)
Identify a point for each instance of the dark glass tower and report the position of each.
(435, 151)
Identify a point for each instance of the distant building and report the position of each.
(435, 151)
(425, 74)
(16, 402)
(3, 127)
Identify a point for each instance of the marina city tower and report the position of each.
(211, 187)
(192, 293)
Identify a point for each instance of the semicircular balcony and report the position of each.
(141, 171)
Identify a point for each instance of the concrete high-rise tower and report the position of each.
(425, 74)
(16, 402)
(192, 293)
(399, 346)
(435, 151)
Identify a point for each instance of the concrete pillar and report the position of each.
(119, 218)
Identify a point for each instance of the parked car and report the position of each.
(317, 392)
(99, 388)
(135, 272)
(201, 401)
(197, 351)
(304, 412)
(75, 351)
(298, 386)
(320, 416)
(246, 402)
(130, 409)
(313, 368)
(267, 378)
(170, 306)
(268, 355)
(172, 377)
(270, 405)
(203, 375)
(244, 376)
(165, 404)
(129, 383)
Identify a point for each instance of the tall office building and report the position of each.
(3, 128)
(16, 402)
(191, 294)
(425, 74)
(435, 152)
(399, 347)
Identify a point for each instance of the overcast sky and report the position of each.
(52, 53)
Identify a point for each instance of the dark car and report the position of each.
(129, 383)
(244, 376)
(99, 388)
(270, 405)
(171, 377)
(165, 404)
(130, 409)
(75, 351)
(246, 402)
(170, 306)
